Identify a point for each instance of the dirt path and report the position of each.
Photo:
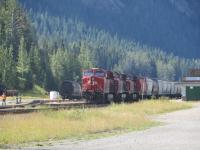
(180, 132)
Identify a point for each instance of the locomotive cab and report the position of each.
(92, 82)
(97, 84)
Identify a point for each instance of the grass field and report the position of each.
(83, 123)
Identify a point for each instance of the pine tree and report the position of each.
(23, 66)
(36, 65)
(84, 57)
(8, 68)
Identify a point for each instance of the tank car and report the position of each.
(70, 90)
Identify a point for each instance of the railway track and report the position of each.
(44, 105)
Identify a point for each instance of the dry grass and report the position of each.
(41, 126)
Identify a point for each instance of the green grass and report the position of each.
(37, 91)
(83, 123)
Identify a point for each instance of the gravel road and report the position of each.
(180, 132)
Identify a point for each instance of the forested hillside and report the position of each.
(172, 25)
(97, 48)
(45, 49)
(17, 44)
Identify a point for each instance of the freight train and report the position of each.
(101, 85)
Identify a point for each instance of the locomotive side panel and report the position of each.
(141, 87)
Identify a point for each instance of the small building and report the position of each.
(190, 88)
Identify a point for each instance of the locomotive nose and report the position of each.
(92, 81)
(89, 83)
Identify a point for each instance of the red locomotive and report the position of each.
(121, 90)
(141, 87)
(98, 84)
(106, 86)
(131, 86)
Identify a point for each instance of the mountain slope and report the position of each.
(171, 25)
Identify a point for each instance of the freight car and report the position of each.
(155, 89)
(172, 89)
(177, 90)
(70, 90)
(149, 83)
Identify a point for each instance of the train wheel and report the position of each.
(123, 97)
(136, 97)
(117, 99)
(105, 98)
(148, 97)
(156, 96)
(92, 97)
(110, 98)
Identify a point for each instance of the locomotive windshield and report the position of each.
(88, 73)
(99, 73)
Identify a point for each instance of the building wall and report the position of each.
(189, 84)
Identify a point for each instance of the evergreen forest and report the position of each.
(37, 48)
